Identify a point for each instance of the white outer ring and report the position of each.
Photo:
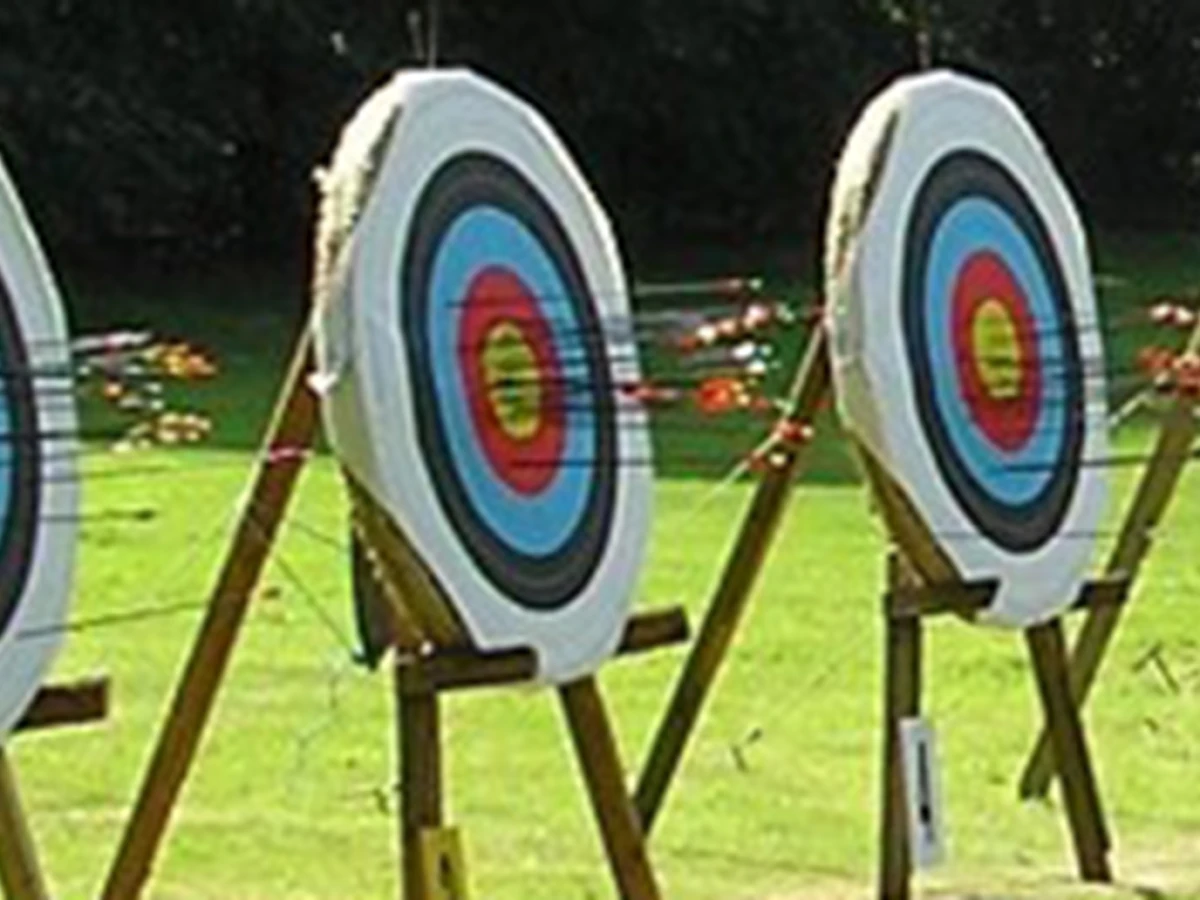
(25, 659)
(931, 116)
(368, 405)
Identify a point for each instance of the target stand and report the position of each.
(921, 585)
(421, 679)
(423, 672)
(433, 657)
(1002, 442)
(908, 602)
(56, 706)
(465, 282)
(970, 374)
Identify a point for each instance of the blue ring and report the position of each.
(974, 225)
(479, 238)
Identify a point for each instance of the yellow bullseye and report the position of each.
(513, 381)
(997, 349)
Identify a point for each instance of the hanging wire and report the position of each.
(153, 609)
(416, 35)
(923, 22)
(435, 32)
(298, 584)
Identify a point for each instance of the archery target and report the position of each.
(38, 487)
(967, 352)
(470, 382)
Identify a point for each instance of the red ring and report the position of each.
(1008, 422)
(497, 296)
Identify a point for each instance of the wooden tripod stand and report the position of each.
(1103, 601)
(922, 583)
(419, 683)
(420, 678)
(908, 602)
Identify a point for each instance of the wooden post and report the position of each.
(596, 748)
(20, 874)
(1047, 648)
(902, 700)
(418, 719)
(1171, 453)
(292, 431)
(732, 595)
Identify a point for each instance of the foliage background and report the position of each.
(155, 130)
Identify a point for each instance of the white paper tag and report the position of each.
(923, 791)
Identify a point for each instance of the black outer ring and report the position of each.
(24, 470)
(538, 583)
(1026, 527)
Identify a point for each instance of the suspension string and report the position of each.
(306, 594)
(152, 609)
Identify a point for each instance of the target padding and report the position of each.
(967, 352)
(473, 373)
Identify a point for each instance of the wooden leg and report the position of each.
(902, 671)
(420, 743)
(731, 599)
(596, 748)
(291, 433)
(1047, 647)
(20, 874)
(1158, 485)
(1090, 649)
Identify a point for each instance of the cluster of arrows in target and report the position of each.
(477, 365)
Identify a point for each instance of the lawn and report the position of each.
(292, 795)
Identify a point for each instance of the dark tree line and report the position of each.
(172, 129)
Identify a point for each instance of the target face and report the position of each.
(966, 345)
(38, 495)
(511, 381)
(481, 406)
(990, 335)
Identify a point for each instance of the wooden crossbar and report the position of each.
(458, 669)
(67, 704)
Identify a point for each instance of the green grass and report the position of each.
(292, 797)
